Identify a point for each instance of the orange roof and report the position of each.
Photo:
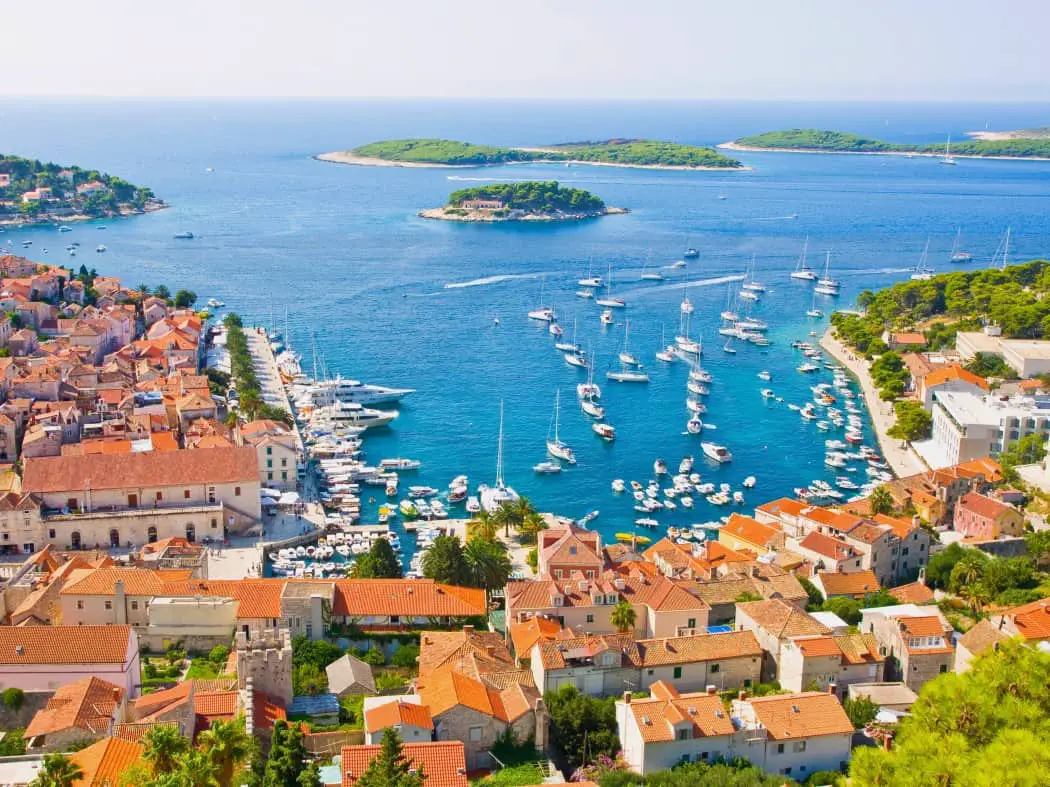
(953, 371)
(267, 710)
(88, 704)
(752, 531)
(907, 337)
(901, 527)
(64, 644)
(925, 626)
(102, 763)
(409, 598)
(913, 593)
(826, 546)
(780, 618)
(258, 598)
(855, 583)
(134, 730)
(702, 647)
(987, 467)
(445, 689)
(833, 518)
(397, 713)
(815, 647)
(983, 506)
(859, 648)
(805, 715)
(784, 505)
(658, 718)
(1032, 620)
(443, 762)
(525, 635)
(149, 705)
(137, 581)
(468, 651)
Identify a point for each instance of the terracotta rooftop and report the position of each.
(805, 715)
(781, 619)
(752, 531)
(1032, 620)
(410, 598)
(912, 593)
(445, 689)
(983, 506)
(443, 762)
(468, 651)
(658, 718)
(64, 644)
(103, 763)
(701, 647)
(525, 635)
(89, 704)
(137, 581)
(827, 546)
(397, 713)
(951, 372)
(855, 583)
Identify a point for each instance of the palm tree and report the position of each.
(227, 746)
(484, 525)
(623, 616)
(164, 746)
(881, 501)
(966, 575)
(487, 564)
(58, 771)
(198, 769)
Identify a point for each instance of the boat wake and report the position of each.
(678, 285)
(866, 271)
(491, 280)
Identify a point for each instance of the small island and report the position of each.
(811, 140)
(32, 192)
(527, 201)
(641, 153)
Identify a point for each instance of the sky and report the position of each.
(841, 50)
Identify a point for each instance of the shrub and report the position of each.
(405, 656)
(219, 654)
(373, 656)
(13, 698)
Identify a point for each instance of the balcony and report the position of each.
(128, 512)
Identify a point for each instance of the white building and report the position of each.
(1027, 357)
(966, 426)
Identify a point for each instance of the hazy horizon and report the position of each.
(948, 52)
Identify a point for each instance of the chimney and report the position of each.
(922, 575)
(742, 695)
(627, 698)
(754, 569)
(832, 688)
(711, 689)
(468, 630)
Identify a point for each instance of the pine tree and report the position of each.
(389, 768)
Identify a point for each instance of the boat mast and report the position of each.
(1006, 248)
(499, 450)
(313, 351)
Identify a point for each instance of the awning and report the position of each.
(288, 499)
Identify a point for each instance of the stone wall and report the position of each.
(34, 701)
(267, 662)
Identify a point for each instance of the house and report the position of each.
(757, 579)
(41, 658)
(951, 377)
(894, 697)
(670, 728)
(78, 713)
(856, 584)
(349, 675)
(565, 551)
(773, 623)
(906, 341)
(103, 763)
(916, 642)
(406, 716)
(482, 655)
(143, 497)
(443, 763)
(277, 460)
(91, 188)
(827, 553)
(527, 633)
(465, 709)
(967, 426)
(726, 660)
(986, 519)
(192, 406)
(397, 603)
(793, 734)
(1029, 622)
(481, 204)
(175, 706)
(744, 533)
(598, 664)
(829, 663)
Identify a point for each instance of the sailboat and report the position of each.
(666, 352)
(683, 341)
(687, 305)
(569, 347)
(802, 271)
(649, 275)
(1002, 251)
(959, 256)
(728, 347)
(492, 497)
(609, 301)
(751, 285)
(590, 280)
(922, 273)
(627, 358)
(690, 252)
(543, 313)
(827, 285)
(813, 311)
(627, 374)
(729, 313)
(556, 447)
(589, 391)
(948, 158)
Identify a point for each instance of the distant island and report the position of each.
(811, 140)
(32, 192)
(642, 153)
(526, 201)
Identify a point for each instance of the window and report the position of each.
(590, 618)
(186, 494)
(677, 672)
(309, 631)
(780, 748)
(214, 523)
(475, 733)
(269, 450)
(800, 746)
(944, 668)
(691, 623)
(572, 550)
(236, 491)
(747, 683)
(703, 756)
(557, 573)
(715, 667)
(160, 496)
(284, 463)
(51, 533)
(269, 476)
(269, 463)
(284, 475)
(134, 605)
(650, 673)
(109, 605)
(683, 735)
(80, 604)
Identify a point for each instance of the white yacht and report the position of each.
(492, 497)
(400, 464)
(827, 285)
(590, 280)
(718, 453)
(627, 376)
(555, 447)
(574, 359)
(570, 347)
(802, 270)
(605, 431)
(922, 272)
(341, 389)
(948, 158)
(354, 414)
(627, 358)
(592, 409)
(547, 468)
(959, 256)
(750, 285)
(648, 275)
(543, 313)
(607, 317)
(609, 301)
(684, 342)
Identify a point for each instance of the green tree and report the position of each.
(161, 291)
(314, 651)
(406, 656)
(913, 422)
(287, 757)
(444, 561)
(814, 598)
(310, 776)
(940, 566)
(309, 679)
(483, 525)
(389, 768)
(379, 562)
(990, 365)
(163, 748)
(623, 616)
(582, 727)
(1028, 450)
(845, 608)
(881, 501)
(1038, 544)
(487, 564)
(219, 655)
(861, 711)
(13, 698)
(57, 771)
(227, 747)
(184, 299)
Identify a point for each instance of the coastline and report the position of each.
(486, 217)
(348, 157)
(902, 461)
(906, 153)
(79, 218)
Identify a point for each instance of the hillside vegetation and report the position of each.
(839, 141)
(637, 152)
(1015, 298)
(544, 197)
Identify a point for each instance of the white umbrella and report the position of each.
(288, 499)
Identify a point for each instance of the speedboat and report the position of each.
(718, 453)
(604, 431)
(749, 482)
(473, 505)
(660, 467)
(618, 485)
(607, 317)
(185, 235)
(400, 464)
(547, 468)
(767, 393)
(694, 425)
(764, 375)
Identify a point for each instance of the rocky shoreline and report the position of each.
(78, 218)
(488, 217)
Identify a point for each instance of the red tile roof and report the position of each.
(89, 704)
(806, 715)
(64, 644)
(826, 546)
(102, 763)
(1032, 620)
(398, 713)
(953, 371)
(983, 506)
(752, 531)
(443, 762)
(855, 583)
(913, 593)
(405, 597)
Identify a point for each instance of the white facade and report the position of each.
(966, 426)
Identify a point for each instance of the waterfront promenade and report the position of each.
(898, 456)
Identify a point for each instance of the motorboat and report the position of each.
(767, 393)
(184, 235)
(100, 249)
(764, 375)
(607, 317)
(749, 482)
(342, 389)
(690, 253)
(685, 466)
(547, 468)
(353, 414)
(473, 505)
(419, 492)
(660, 467)
(400, 464)
(604, 431)
(618, 485)
(802, 270)
(694, 425)
(717, 453)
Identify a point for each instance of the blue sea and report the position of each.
(390, 298)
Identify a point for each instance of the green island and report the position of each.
(34, 192)
(811, 140)
(524, 201)
(611, 152)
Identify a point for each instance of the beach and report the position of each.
(486, 216)
(901, 460)
(905, 153)
(349, 157)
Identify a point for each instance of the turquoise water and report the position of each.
(341, 249)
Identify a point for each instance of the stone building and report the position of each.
(266, 663)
